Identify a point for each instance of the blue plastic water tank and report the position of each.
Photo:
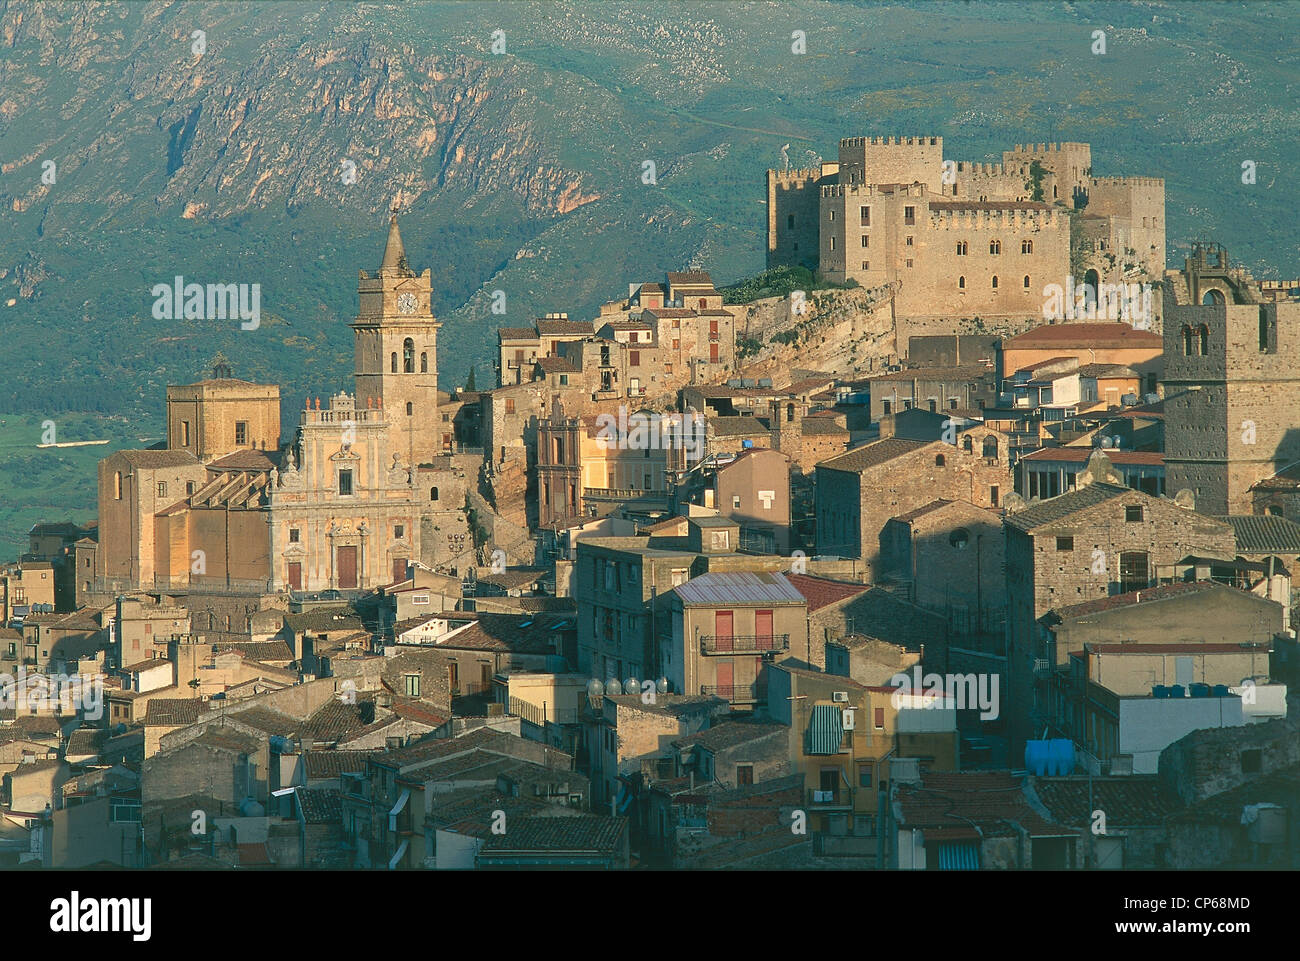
(1177, 691)
(1220, 690)
(1036, 757)
(1060, 756)
(1159, 691)
(1200, 690)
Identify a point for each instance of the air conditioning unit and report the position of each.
(840, 697)
(850, 719)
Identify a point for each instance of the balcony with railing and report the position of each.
(743, 643)
(737, 693)
(836, 798)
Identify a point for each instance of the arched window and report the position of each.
(1026, 246)
(1026, 281)
(940, 461)
(990, 446)
(394, 362)
(995, 281)
(961, 283)
(966, 444)
(1213, 298)
(433, 493)
(408, 356)
(1203, 336)
(410, 409)
(1187, 341)
(995, 246)
(789, 412)
(117, 485)
(424, 362)
(704, 304)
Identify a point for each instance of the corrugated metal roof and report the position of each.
(739, 587)
(1264, 534)
(825, 729)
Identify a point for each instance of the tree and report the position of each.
(469, 381)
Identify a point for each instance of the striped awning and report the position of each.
(825, 729)
(958, 856)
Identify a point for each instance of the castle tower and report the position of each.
(396, 342)
(1230, 385)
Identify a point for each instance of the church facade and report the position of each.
(362, 492)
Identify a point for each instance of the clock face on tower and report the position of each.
(406, 303)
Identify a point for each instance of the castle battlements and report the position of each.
(890, 141)
(1127, 181)
(993, 219)
(981, 169)
(1050, 148)
(857, 189)
(794, 177)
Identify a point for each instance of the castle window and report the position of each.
(408, 356)
(866, 265)
(832, 243)
(1187, 341)
(410, 409)
(961, 283)
(1204, 336)
(995, 246)
(185, 433)
(241, 433)
(789, 222)
(424, 362)
(1267, 334)
(1026, 246)
(909, 242)
(940, 460)
(117, 485)
(831, 214)
(909, 215)
(909, 261)
(1026, 281)
(961, 248)
(991, 447)
(995, 281)
(433, 493)
(966, 444)
(345, 483)
(866, 240)
(394, 362)
(865, 213)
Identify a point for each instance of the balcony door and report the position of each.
(724, 629)
(763, 628)
(725, 678)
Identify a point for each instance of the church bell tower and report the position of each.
(396, 343)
